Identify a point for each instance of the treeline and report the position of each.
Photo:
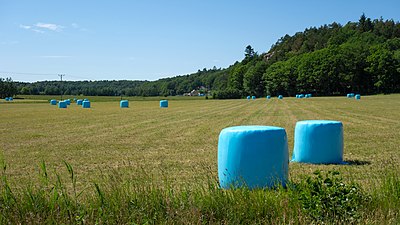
(7, 88)
(362, 57)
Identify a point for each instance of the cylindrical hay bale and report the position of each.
(318, 141)
(53, 102)
(79, 102)
(301, 96)
(280, 97)
(68, 101)
(248, 97)
(62, 105)
(10, 98)
(164, 103)
(309, 95)
(86, 104)
(268, 96)
(124, 104)
(348, 96)
(7, 99)
(357, 97)
(252, 156)
(253, 97)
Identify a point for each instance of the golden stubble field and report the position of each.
(179, 143)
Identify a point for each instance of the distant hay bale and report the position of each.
(86, 104)
(62, 105)
(53, 102)
(79, 102)
(280, 97)
(164, 104)
(124, 104)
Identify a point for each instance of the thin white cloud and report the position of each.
(26, 27)
(78, 27)
(55, 56)
(9, 42)
(38, 31)
(74, 25)
(50, 26)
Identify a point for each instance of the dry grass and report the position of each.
(180, 142)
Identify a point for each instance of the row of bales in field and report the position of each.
(85, 103)
(281, 96)
(355, 96)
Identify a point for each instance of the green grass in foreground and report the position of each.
(146, 164)
(320, 198)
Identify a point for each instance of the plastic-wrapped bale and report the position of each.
(248, 97)
(253, 97)
(252, 156)
(68, 101)
(301, 96)
(62, 105)
(53, 102)
(308, 95)
(85, 99)
(268, 96)
(164, 104)
(318, 141)
(10, 98)
(280, 97)
(357, 97)
(79, 102)
(297, 96)
(7, 99)
(86, 104)
(124, 104)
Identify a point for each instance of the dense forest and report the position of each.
(361, 57)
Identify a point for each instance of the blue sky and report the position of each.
(148, 40)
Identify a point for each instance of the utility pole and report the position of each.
(61, 76)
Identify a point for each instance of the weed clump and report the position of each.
(326, 198)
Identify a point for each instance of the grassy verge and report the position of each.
(319, 198)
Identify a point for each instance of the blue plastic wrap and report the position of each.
(68, 101)
(268, 96)
(62, 105)
(318, 141)
(248, 97)
(252, 156)
(79, 102)
(357, 97)
(86, 104)
(7, 99)
(124, 104)
(253, 97)
(164, 103)
(280, 97)
(53, 102)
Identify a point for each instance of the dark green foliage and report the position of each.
(326, 197)
(7, 88)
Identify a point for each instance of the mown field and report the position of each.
(176, 147)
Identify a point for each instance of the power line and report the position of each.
(61, 76)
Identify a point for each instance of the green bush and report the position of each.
(325, 197)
